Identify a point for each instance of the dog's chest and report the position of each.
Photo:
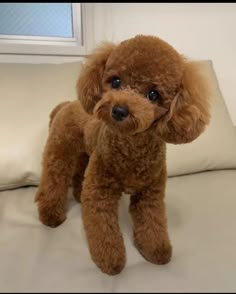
(135, 161)
(136, 175)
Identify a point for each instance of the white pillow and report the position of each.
(216, 147)
(28, 93)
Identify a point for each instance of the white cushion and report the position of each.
(216, 147)
(38, 259)
(28, 93)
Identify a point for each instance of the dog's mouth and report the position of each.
(127, 112)
(117, 117)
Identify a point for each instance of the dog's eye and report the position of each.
(116, 82)
(153, 95)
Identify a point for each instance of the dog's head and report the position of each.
(144, 82)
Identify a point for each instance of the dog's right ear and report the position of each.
(190, 109)
(89, 85)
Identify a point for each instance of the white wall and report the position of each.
(198, 30)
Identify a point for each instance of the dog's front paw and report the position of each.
(161, 255)
(112, 265)
(159, 252)
(110, 258)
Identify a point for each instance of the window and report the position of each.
(46, 28)
(36, 19)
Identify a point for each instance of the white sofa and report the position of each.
(200, 198)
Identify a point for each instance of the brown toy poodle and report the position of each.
(133, 98)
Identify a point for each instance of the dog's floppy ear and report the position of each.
(89, 85)
(190, 110)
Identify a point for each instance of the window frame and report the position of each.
(79, 45)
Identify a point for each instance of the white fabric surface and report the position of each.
(202, 222)
(215, 148)
(28, 93)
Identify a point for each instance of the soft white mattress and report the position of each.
(202, 225)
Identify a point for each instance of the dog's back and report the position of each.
(56, 110)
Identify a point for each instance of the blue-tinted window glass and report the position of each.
(36, 19)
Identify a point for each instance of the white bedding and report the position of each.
(202, 226)
(201, 207)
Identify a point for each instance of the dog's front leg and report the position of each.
(147, 209)
(99, 200)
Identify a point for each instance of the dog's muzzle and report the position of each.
(119, 113)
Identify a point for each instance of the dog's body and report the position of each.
(113, 140)
(136, 161)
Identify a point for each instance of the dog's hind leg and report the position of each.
(78, 176)
(63, 145)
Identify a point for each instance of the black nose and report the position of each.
(119, 113)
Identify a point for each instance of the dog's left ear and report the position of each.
(89, 84)
(190, 110)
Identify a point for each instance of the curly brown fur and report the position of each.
(103, 156)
